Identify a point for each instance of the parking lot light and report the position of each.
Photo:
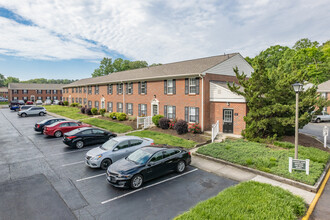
(297, 88)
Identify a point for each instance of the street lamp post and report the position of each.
(297, 88)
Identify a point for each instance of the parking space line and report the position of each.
(87, 178)
(69, 152)
(69, 164)
(137, 190)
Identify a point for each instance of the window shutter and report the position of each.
(197, 115)
(126, 84)
(174, 87)
(117, 92)
(186, 114)
(117, 106)
(174, 111)
(197, 86)
(139, 109)
(139, 87)
(146, 106)
(132, 90)
(126, 108)
(186, 90)
(165, 87)
(146, 86)
(165, 111)
(110, 88)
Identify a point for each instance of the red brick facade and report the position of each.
(4, 92)
(30, 94)
(155, 92)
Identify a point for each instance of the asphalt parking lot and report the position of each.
(316, 130)
(41, 178)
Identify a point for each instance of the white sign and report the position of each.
(325, 135)
(295, 164)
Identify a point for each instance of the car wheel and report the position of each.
(105, 164)
(79, 144)
(41, 114)
(318, 120)
(23, 114)
(180, 166)
(136, 181)
(58, 134)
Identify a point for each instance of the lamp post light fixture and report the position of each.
(297, 88)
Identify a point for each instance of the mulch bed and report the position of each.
(307, 141)
(189, 136)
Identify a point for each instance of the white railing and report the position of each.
(145, 121)
(215, 130)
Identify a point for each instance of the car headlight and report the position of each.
(97, 157)
(124, 176)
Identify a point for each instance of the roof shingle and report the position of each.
(35, 86)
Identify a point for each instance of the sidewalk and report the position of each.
(242, 175)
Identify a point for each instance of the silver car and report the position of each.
(34, 110)
(114, 149)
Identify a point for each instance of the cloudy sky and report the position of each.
(68, 38)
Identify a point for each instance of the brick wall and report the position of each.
(34, 93)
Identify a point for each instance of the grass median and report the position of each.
(249, 200)
(272, 160)
(69, 112)
(108, 125)
(161, 138)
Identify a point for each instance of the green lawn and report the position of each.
(109, 125)
(70, 112)
(249, 200)
(161, 138)
(275, 161)
(4, 103)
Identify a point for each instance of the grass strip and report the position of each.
(108, 125)
(249, 200)
(69, 112)
(162, 138)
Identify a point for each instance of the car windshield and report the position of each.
(54, 124)
(43, 121)
(140, 156)
(109, 144)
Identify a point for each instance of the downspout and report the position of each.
(123, 96)
(202, 121)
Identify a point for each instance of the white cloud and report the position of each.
(158, 31)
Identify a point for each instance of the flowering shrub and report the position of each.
(194, 128)
(181, 127)
(172, 123)
(164, 123)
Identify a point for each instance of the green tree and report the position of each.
(271, 102)
(2, 80)
(305, 43)
(11, 79)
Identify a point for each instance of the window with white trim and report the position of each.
(170, 86)
(39, 91)
(170, 112)
(76, 89)
(97, 105)
(85, 89)
(96, 89)
(129, 108)
(109, 107)
(85, 101)
(130, 88)
(25, 98)
(192, 85)
(25, 91)
(119, 107)
(143, 87)
(143, 109)
(192, 114)
(15, 98)
(120, 88)
(89, 104)
(15, 91)
(76, 100)
(39, 98)
(55, 97)
(54, 91)
(89, 89)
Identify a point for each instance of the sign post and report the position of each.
(325, 135)
(298, 165)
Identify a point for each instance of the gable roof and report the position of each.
(3, 89)
(324, 87)
(177, 69)
(35, 86)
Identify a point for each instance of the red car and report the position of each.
(59, 128)
(29, 103)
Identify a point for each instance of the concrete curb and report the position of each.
(272, 176)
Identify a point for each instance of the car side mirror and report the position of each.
(151, 164)
(115, 149)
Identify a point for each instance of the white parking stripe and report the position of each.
(69, 164)
(137, 190)
(91, 177)
(74, 151)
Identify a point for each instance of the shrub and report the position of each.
(82, 110)
(74, 104)
(181, 127)
(155, 119)
(164, 123)
(131, 118)
(194, 128)
(286, 145)
(121, 116)
(66, 103)
(113, 115)
(102, 111)
(88, 111)
(94, 111)
(172, 123)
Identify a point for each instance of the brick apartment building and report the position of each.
(324, 89)
(193, 90)
(4, 92)
(33, 92)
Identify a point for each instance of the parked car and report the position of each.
(48, 102)
(39, 102)
(86, 136)
(14, 107)
(2, 99)
(324, 116)
(145, 164)
(16, 102)
(113, 150)
(39, 127)
(25, 107)
(29, 103)
(59, 128)
(33, 110)
(56, 102)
